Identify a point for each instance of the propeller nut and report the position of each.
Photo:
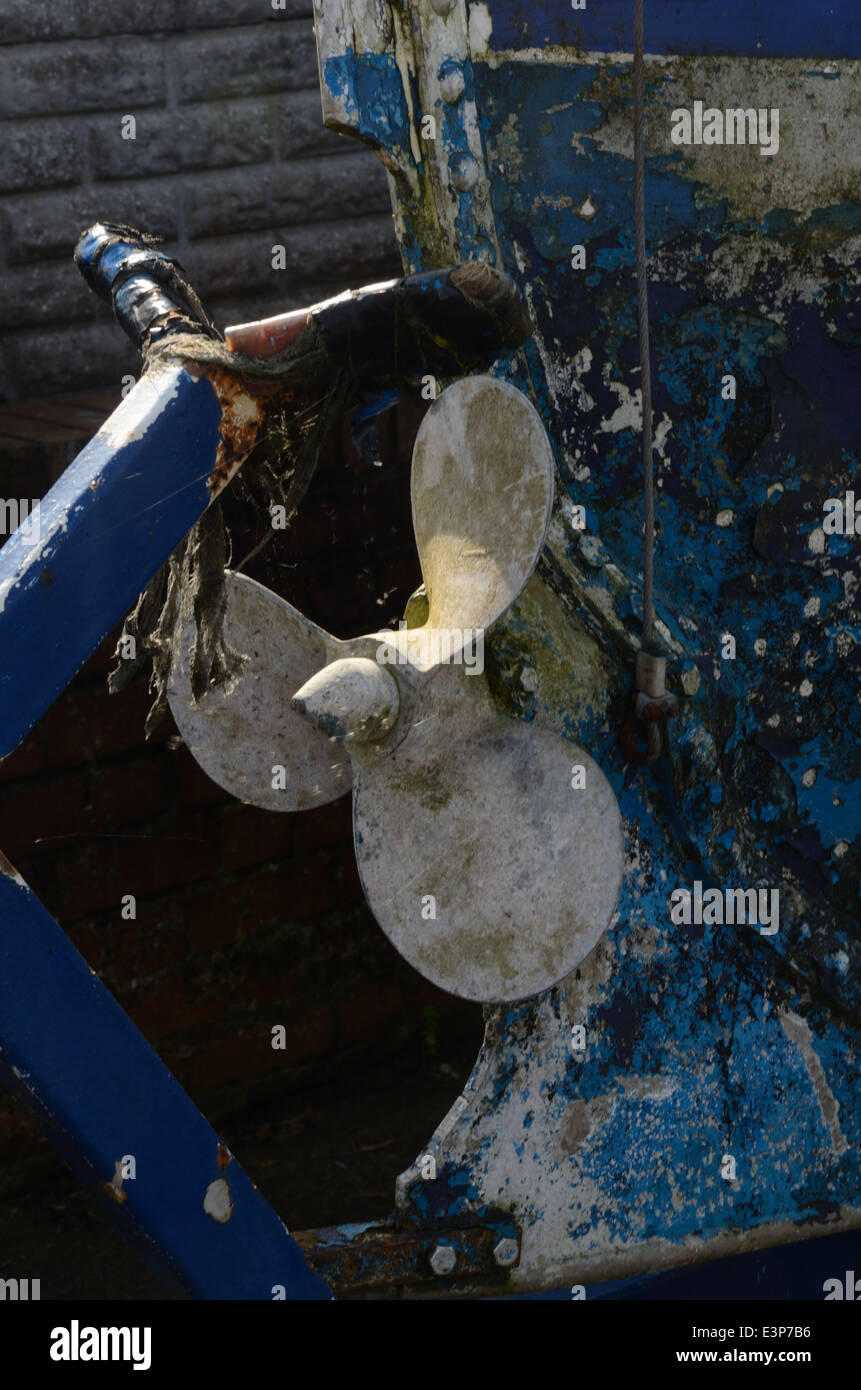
(353, 699)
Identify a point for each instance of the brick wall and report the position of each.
(230, 158)
(245, 919)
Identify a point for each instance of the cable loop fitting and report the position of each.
(651, 706)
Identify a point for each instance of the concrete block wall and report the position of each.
(229, 158)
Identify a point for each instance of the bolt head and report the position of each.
(443, 1259)
(451, 83)
(464, 172)
(505, 1252)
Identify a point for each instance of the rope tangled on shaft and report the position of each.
(190, 586)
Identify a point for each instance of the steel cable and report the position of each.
(643, 328)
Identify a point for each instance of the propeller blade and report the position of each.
(242, 732)
(482, 492)
(489, 906)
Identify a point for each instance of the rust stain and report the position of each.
(114, 1188)
(224, 1155)
(242, 415)
(382, 1256)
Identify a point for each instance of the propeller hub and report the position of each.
(353, 699)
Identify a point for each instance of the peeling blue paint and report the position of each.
(689, 1015)
(370, 87)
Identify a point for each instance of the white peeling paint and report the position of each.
(407, 73)
(217, 1201)
(135, 416)
(629, 413)
(649, 1087)
(557, 54)
(529, 678)
(662, 429)
(480, 29)
(797, 1030)
(815, 166)
(816, 541)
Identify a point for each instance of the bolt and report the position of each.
(443, 1259)
(464, 172)
(505, 1252)
(442, 7)
(451, 82)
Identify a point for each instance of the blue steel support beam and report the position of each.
(67, 1049)
(70, 1053)
(104, 530)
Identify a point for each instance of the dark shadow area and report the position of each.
(326, 1155)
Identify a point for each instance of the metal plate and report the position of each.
(240, 731)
